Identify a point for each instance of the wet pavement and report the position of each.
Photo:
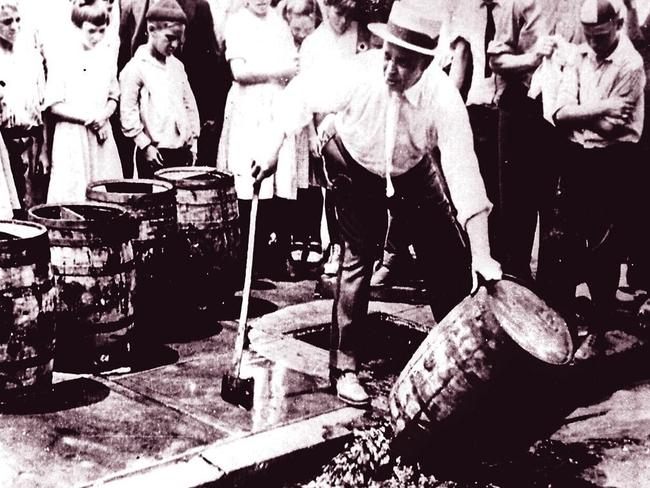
(165, 424)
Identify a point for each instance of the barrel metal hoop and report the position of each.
(107, 327)
(35, 289)
(43, 358)
(80, 271)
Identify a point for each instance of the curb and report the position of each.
(237, 462)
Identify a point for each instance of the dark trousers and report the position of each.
(583, 224)
(270, 254)
(637, 244)
(125, 145)
(526, 143)
(396, 250)
(26, 150)
(171, 157)
(421, 204)
(307, 211)
(485, 122)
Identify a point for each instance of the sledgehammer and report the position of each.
(234, 389)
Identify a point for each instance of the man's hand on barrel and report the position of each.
(486, 266)
(482, 262)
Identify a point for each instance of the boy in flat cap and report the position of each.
(601, 105)
(206, 68)
(157, 109)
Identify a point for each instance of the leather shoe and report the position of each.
(593, 346)
(350, 390)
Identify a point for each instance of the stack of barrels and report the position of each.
(100, 276)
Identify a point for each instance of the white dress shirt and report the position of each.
(432, 114)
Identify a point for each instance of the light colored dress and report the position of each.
(8, 196)
(263, 43)
(83, 80)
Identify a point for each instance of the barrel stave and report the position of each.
(94, 272)
(27, 305)
(209, 241)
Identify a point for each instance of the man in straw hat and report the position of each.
(601, 106)
(398, 119)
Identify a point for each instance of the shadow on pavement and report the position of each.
(229, 309)
(184, 326)
(79, 392)
(149, 356)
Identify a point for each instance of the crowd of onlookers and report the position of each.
(99, 89)
(554, 89)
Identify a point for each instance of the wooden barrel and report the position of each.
(27, 301)
(94, 271)
(209, 235)
(451, 375)
(151, 204)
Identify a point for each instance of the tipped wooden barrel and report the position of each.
(500, 329)
(209, 235)
(27, 301)
(94, 270)
(152, 206)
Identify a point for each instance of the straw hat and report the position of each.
(410, 25)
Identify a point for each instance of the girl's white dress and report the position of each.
(8, 196)
(84, 80)
(264, 43)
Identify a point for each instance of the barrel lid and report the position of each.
(78, 215)
(17, 234)
(530, 322)
(130, 191)
(195, 177)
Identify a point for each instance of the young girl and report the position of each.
(82, 93)
(22, 82)
(263, 58)
(9, 202)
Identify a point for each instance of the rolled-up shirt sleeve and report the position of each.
(457, 156)
(518, 24)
